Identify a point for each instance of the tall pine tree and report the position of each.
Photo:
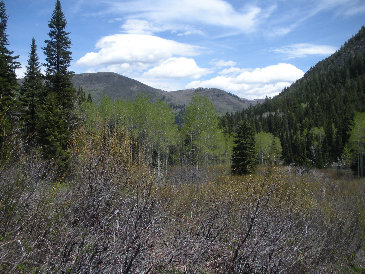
(244, 155)
(56, 115)
(58, 59)
(8, 84)
(31, 94)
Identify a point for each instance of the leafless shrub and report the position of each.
(110, 216)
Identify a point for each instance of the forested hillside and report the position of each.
(314, 116)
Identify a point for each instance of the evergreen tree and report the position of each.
(244, 155)
(89, 98)
(58, 59)
(8, 83)
(81, 96)
(30, 93)
(60, 93)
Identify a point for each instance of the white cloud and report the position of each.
(135, 49)
(303, 50)
(231, 71)
(178, 14)
(344, 7)
(159, 62)
(254, 84)
(190, 31)
(136, 26)
(177, 68)
(222, 63)
(269, 74)
(289, 15)
(20, 72)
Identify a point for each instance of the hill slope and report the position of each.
(117, 86)
(314, 115)
(222, 100)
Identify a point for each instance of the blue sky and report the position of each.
(251, 48)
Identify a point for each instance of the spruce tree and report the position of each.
(31, 94)
(8, 83)
(58, 59)
(244, 155)
(55, 118)
(89, 98)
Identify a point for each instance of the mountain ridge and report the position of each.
(117, 86)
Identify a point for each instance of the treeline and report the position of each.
(314, 117)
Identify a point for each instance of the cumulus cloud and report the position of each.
(159, 62)
(135, 48)
(256, 83)
(304, 49)
(177, 68)
(231, 71)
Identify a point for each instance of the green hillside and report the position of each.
(314, 115)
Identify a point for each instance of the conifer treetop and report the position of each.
(57, 50)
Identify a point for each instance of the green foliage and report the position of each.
(31, 94)
(357, 142)
(8, 85)
(81, 96)
(150, 125)
(56, 112)
(203, 138)
(316, 138)
(244, 159)
(268, 148)
(313, 116)
(53, 133)
(58, 59)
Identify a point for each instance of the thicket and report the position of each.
(110, 215)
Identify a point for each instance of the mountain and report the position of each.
(314, 115)
(222, 100)
(117, 86)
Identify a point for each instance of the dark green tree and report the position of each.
(81, 96)
(58, 59)
(30, 94)
(8, 84)
(244, 154)
(89, 98)
(54, 133)
(60, 95)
